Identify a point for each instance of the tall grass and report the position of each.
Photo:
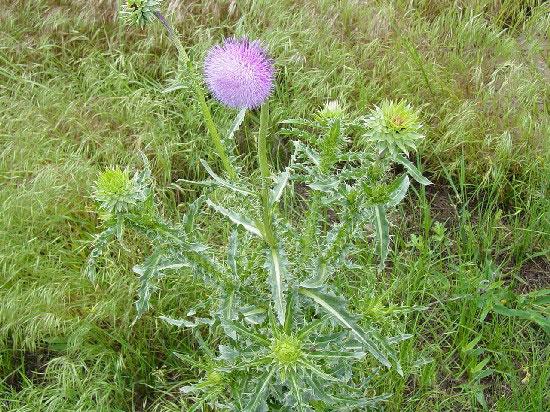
(79, 94)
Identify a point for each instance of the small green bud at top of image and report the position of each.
(140, 12)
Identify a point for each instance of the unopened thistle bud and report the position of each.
(394, 127)
(140, 12)
(117, 192)
(331, 111)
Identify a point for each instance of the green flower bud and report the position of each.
(117, 192)
(330, 112)
(287, 350)
(140, 12)
(394, 127)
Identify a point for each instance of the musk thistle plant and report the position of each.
(281, 334)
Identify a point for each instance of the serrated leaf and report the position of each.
(100, 243)
(259, 392)
(253, 314)
(280, 184)
(151, 269)
(246, 332)
(277, 267)
(336, 308)
(188, 219)
(232, 253)
(236, 123)
(185, 323)
(296, 389)
(382, 234)
(223, 182)
(412, 170)
(327, 354)
(146, 272)
(236, 218)
(401, 185)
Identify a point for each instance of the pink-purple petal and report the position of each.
(239, 73)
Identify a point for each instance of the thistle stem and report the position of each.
(185, 63)
(262, 143)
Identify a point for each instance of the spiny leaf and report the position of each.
(401, 185)
(277, 265)
(232, 253)
(236, 218)
(412, 170)
(259, 392)
(223, 182)
(147, 272)
(185, 323)
(382, 234)
(236, 124)
(336, 307)
(280, 185)
(297, 390)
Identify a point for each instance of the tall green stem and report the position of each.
(185, 63)
(262, 144)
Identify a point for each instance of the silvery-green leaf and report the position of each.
(236, 218)
(260, 391)
(277, 266)
(228, 353)
(244, 332)
(253, 314)
(336, 308)
(236, 123)
(280, 185)
(412, 170)
(401, 185)
(146, 272)
(382, 234)
(336, 354)
(223, 182)
(313, 156)
(297, 389)
(399, 338)
(173, 87)
(100, 243)
(184, 323)
(188, 219)
(232, 253)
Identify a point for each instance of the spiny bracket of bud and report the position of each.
(287, 350)
(332, 110)
(140, 12)
(117, 192)
(393, 127)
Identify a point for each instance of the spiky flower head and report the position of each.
(117, 192)
(239, 73)
(393, 126)
(140, 12)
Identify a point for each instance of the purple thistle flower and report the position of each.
(239, 73)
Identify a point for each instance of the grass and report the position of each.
(79, 93)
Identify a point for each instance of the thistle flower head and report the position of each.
(394, 127)
(117, 192)
(239, 73)
(140, 12)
